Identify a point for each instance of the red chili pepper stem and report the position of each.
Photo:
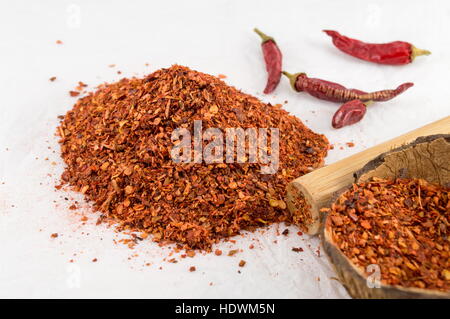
(292, 78)
(263, 36)
(418, 52)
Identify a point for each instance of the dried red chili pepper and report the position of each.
(273, 59)
(119, 157)
(335, 92)
(394, 53)
(349, 113)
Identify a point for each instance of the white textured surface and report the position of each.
(210, 36)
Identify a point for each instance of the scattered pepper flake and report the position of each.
(350, 144)
(233, 252)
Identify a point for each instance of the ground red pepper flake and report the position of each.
(190, 253)
(350, 144)
(218, 252)
(80, 86)
(53, 78)
(285, 232)
(54, 235)
(59, 42)
(297, 249)
(221, 76)
(242, 263)
(401, 225)
(192, 269)
(233, 252)
(129, 125)
(74, 93)
(94, 260)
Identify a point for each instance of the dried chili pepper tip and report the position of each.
(349, 113)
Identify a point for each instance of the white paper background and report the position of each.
(213, 37)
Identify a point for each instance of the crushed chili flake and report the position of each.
(94, 260)
(192, 268)
(242, 263)
(53, 78)
(218, 252)
(302, 210)
(54, 235)
(285, 232)
(297, 249)
(59, 42)
(74, 93)
(129, 124)
(80, 86)
(233, 252)
(190, 253)
(402, 225)
(350, 144)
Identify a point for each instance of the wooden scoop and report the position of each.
(313, 191)
(427, 158)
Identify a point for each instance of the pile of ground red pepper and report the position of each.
(116, 143)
